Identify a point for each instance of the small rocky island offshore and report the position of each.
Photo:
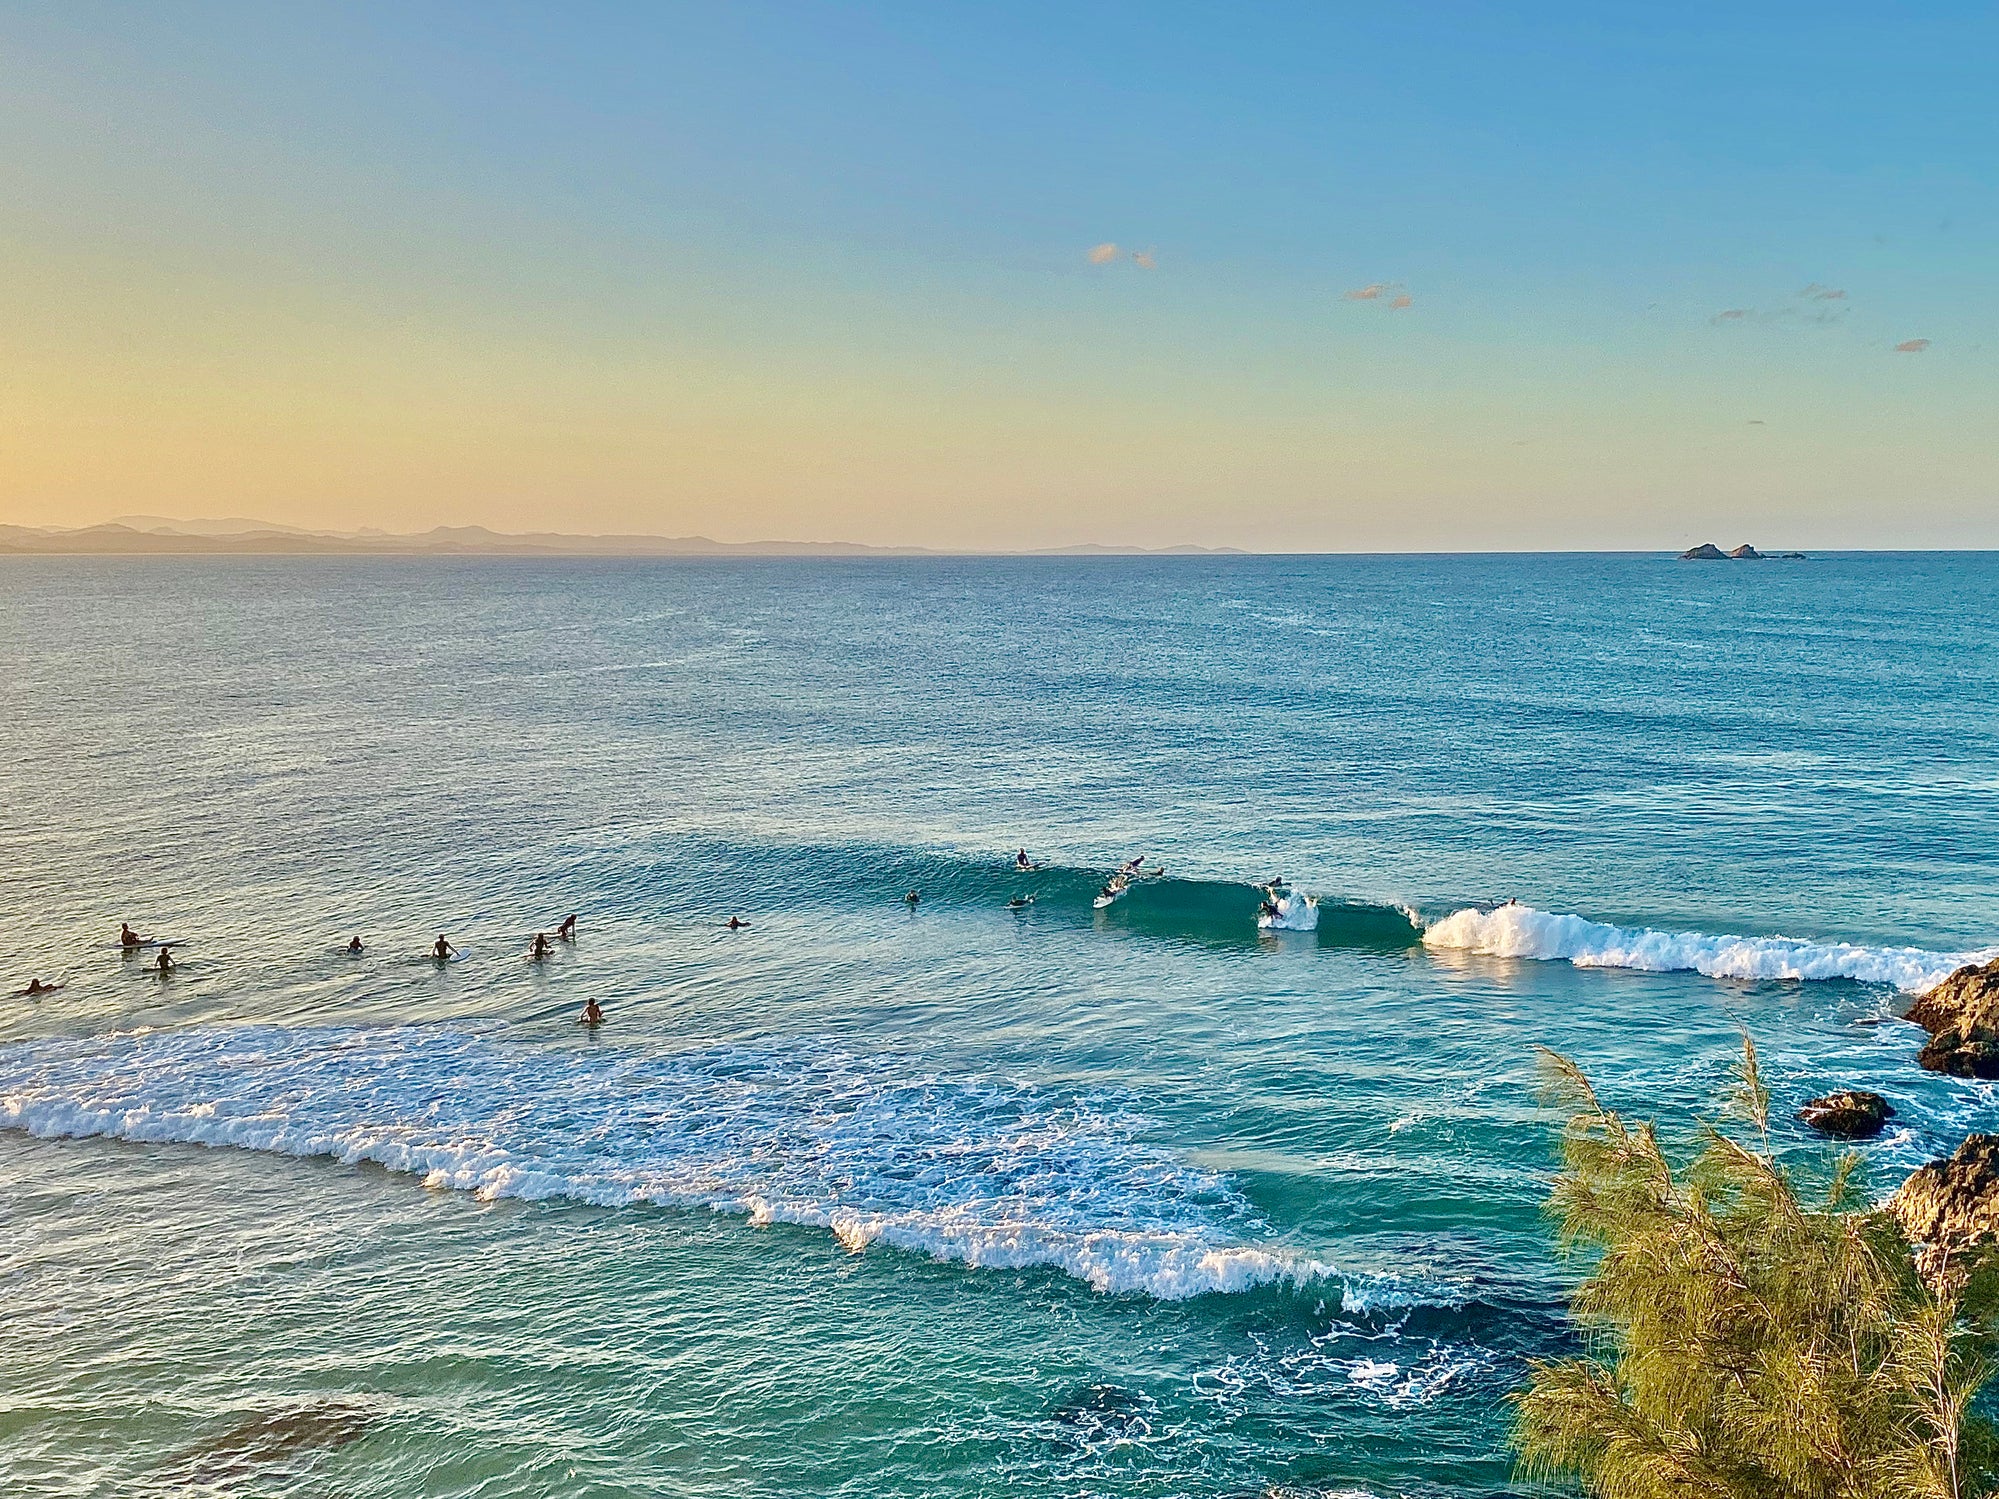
(1707, 551)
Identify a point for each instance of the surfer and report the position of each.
(129, 938)
(1270, 911)
(912, 898)
(1132, 866)
(1020, 903)
(354, 945)
(567, 931)
(164, 963)
(441, 950)
(36, 989)
(541, 949)
(592, 1015)
(736, 923)
(1021, 861)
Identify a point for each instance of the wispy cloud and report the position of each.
(1103, 254)
(1146, 259)
(1405, 300)
(1371, 292)
(1912, 346)
(1733, 315)
(1820, 293)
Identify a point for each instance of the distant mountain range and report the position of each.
(161, 535)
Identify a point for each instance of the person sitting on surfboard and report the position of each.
(567, 931)
(541, 949)
(129, 938)
(736, 923)
(37, 988)
(354, 945)
(592, 1015)
(441, 950)
(1020, 860)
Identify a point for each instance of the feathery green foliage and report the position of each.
(1746, 1344)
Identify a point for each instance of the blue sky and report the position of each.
(825, 271)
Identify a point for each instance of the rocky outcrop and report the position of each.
(1746, 553)
(1948, 1207)
(1850, 1114)
(1707, 551)
(1962, 1016)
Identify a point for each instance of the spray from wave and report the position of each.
(1523, 932)
(986, 1172)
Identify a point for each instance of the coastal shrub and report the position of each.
(1743, 1342)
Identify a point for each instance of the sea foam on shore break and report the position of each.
(1523, 932)
(983, 1171)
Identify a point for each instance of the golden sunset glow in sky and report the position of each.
(1314, 279)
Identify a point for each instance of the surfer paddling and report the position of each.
(567, 931)
(36, 989)
(736, 923)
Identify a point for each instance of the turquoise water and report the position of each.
(957, 1199)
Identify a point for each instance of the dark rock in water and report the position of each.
(1950, 1206)
(1098, 1414)
(1707, 551)
(1849, 1114)
(1962, 1016)
(1746, 553)
(273, 1438)
(1792, 557)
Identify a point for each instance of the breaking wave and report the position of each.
(987, 1172)
(1523, 932)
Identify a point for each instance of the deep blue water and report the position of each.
(954, 1199)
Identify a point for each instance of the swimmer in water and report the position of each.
(736, 923)
(912, 898)
(164, 963)
(592, 1015)
(567, 931)
(36, 988)
(541, 949)
(129, 938)
(355, 947)
(1020, 903)
(441, 950)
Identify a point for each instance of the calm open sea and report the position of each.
(956, 1199)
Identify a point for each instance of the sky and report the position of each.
(1314, 277)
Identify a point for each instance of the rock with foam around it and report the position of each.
(1962, 1016)
(1950, 1206)
(1849, 1114)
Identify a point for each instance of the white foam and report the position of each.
(982, 1171)
(1523, 932)
(1296, 912)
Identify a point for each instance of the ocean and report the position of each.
(951, 1198)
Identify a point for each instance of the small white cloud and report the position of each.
(1819, 293)
(1370, 292)
(1103, 254)
(1405, 300)
(1146, 260)
(1733, 315)
(1912, 346)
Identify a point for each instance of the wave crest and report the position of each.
(1523, 932)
